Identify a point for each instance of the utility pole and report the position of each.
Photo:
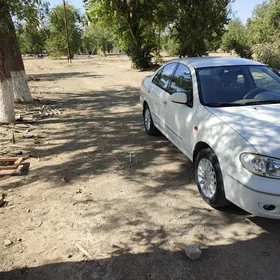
(67, 33)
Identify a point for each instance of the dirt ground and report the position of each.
(100, 184)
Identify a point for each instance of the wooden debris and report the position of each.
(84, 251)
(8, 172)
(119, 162)
(10, 163)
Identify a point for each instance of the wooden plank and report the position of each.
(7, 172)
(18, 162)
(15, 160)
(8, 159)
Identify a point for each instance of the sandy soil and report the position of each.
(100, 183)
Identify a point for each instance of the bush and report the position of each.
(171, 47)
(268, 53)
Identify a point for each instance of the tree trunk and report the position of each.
(7, 112)
(12, 58)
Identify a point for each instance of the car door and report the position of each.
(158, 92)
(177, 117)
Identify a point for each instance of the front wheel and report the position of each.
(209, 179)
(148, 122)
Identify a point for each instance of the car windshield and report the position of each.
(238, 86)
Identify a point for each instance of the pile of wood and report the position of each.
(10, 166)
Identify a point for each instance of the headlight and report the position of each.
(260, 165)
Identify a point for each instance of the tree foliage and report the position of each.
(198, 22)
(236, 38)
(264, 35)
(264, 25)
(135, 25)
(56, 40)
(97, 39)
(31, 41)
(139, 25)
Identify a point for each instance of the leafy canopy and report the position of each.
(134, 24)
(236, 38)
(264, 35)
(198, 22)
(56, 41)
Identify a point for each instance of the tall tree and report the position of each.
(31, 41)
(263, 30)
(13, 81)
(197, 22)
(56, 43)
(132, 23)
(13, 71)
(264, 25)
(236, 38)
(97, 38)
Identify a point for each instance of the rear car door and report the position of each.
(178, 117)
(158, 92)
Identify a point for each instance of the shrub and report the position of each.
(268, 53)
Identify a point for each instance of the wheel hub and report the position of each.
(147, 119)
(207, 178)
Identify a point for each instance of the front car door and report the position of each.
(178, 117)
(158, 93)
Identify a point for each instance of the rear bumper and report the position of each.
(252, 193)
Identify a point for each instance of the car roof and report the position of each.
(201, 62)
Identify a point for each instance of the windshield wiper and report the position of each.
(222, 104)
(258, 102)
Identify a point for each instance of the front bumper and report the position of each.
(253, 193)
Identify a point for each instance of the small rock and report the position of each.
(64, 179)
(19, 239)
(70, 256)
(17, 153)
(193, 252)
(79, 191)
(28, 211)
(28, 136)
(8, 243)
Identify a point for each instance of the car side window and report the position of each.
(182, 82)
(166, 75)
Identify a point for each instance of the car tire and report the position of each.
(209, 179)
(149, 123)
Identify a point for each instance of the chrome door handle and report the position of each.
(165, 102)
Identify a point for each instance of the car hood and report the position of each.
(259, 125)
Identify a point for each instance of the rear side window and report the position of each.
(165, 75)
(182, 82)
(157, 76)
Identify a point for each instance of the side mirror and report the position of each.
(179, 97)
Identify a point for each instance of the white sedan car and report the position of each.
(224, 115)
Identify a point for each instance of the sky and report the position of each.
(241, 8)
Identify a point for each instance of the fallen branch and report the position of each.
(119, 162)
(84, 251)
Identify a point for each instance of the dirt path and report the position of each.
(129, 200)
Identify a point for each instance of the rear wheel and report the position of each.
(148, 122)
(209, 179)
